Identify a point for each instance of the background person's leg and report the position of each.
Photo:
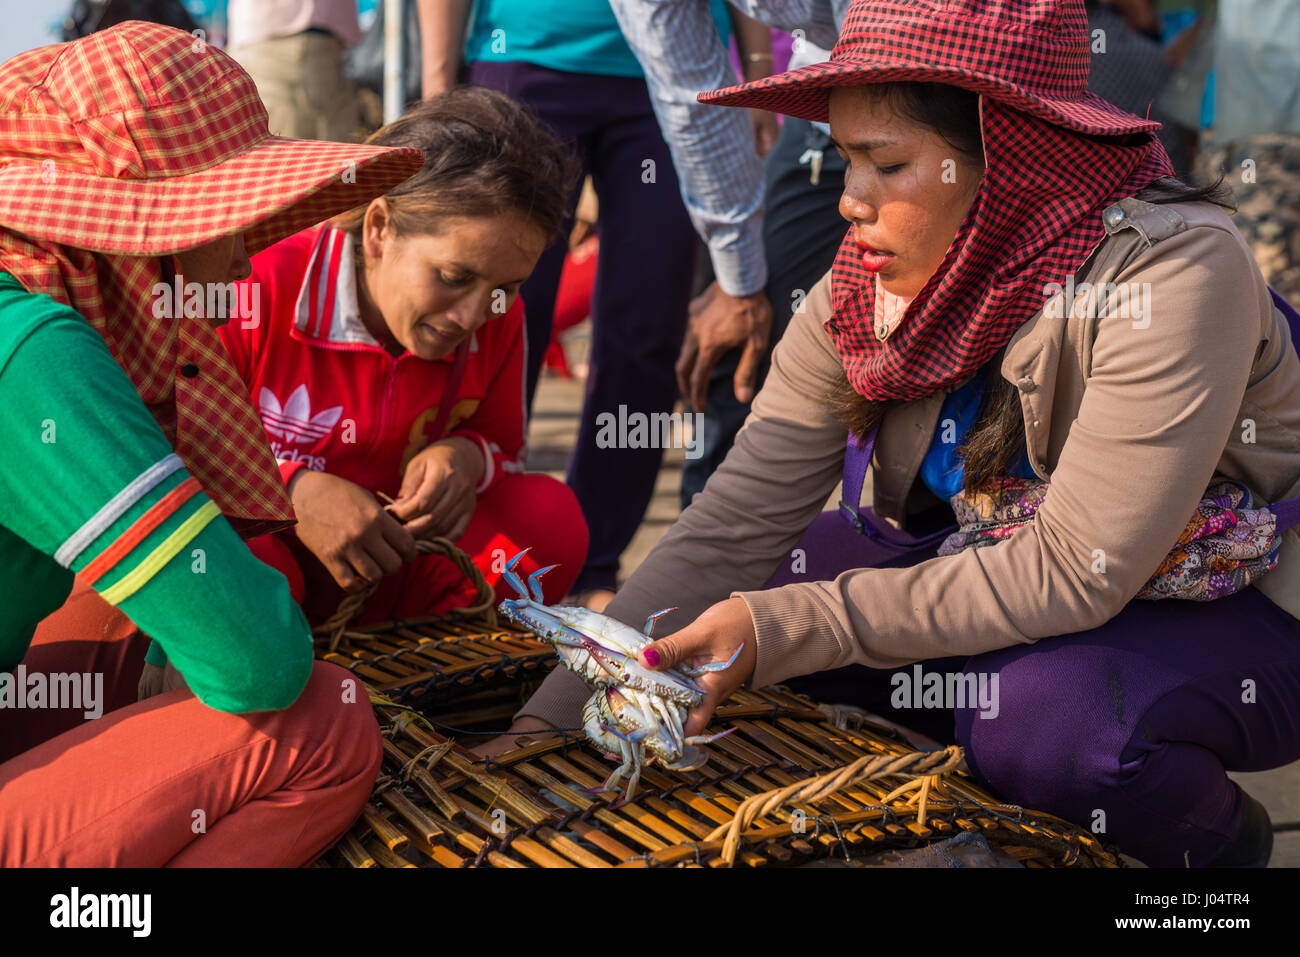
(301, 81)
(643, 285)
(561, 102)
(1135, 722)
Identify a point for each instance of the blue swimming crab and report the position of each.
(634, 709)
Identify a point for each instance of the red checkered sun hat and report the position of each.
(1031, 55)
(138, 142)
(1054, 158)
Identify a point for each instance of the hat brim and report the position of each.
(273, 190)
(805, 93)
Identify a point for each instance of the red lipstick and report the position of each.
(874, 260)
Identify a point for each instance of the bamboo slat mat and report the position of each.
(850, 792)
(434, 662)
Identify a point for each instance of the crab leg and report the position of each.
(513, 580)
(650, 622)
(628, 751)
(714, 665)
(633, 781)
(535, 583)
(633, 754)
(637, 701)
(630, 747)
(708, 738)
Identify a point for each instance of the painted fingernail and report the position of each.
(651, 657)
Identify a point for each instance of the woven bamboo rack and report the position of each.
(785, 788)
(431, 662)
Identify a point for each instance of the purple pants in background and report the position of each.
(1131, 724)
(643, 286)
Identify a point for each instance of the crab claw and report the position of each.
(692, 759)
(513, 580)
(708, 738)
(650, 621)
(714, 665)
(535, 581)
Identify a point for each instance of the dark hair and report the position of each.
(952, 112)
(485, 155)
(997, 440)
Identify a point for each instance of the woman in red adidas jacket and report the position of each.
(385, 353)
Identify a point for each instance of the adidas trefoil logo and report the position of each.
(293, 421)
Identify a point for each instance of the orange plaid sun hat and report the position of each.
(142, 141)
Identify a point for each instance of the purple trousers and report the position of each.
(643, 286)
(1126, 729)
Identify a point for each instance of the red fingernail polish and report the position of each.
(651, 657)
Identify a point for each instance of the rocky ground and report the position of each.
(1264, 172)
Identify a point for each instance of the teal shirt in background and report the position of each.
(942, 469)
(575, 36)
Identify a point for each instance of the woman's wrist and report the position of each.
(438, 79)
(295, 483)
(467, 457)
(757, 66)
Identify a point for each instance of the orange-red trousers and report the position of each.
(521, 511)
(169, 781)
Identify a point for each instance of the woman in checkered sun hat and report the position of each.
(135, 163)
(1071, 389)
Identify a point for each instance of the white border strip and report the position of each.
(115, 508)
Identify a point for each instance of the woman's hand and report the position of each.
(159, 679)
(347, 529)
(437, 496)
(714, 636)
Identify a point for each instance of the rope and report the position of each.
(930, 764)
(484, 597)
(434, 752)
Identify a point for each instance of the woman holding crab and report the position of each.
(1072, 392)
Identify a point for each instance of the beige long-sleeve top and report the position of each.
(1183, 372)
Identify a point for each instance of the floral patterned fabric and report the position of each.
(1227, 544)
